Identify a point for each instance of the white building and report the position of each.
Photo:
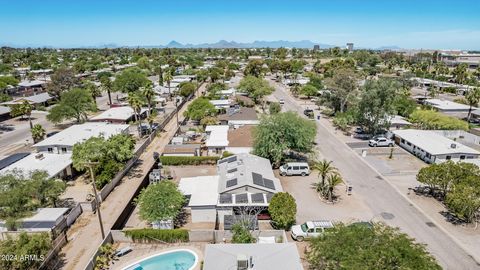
(447, 106)
(221, 103)
(432, 147)
(242, 180)
(56, 165)
(217, 139)
(237, 117)
(122, 114)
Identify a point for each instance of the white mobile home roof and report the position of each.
(118, 113)
(446, 105)
(203, 189)
(53, 164)
(47, 214)
(218, 136)
(79, 133)
(433, 143)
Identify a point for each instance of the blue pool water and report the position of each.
(176, 260)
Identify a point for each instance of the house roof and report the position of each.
(433, 143)
(82, 132)
(4, 110)
(31, 83)
(47, 214)
(122, 113)
(264, 256)
(244, 113)
(446, 105)
(35, 99)
(5, 162)
(220, 102)
(218, 136)
(203, 190)
(240, 137)
(247, 170)
(189, 148)
(53, 164)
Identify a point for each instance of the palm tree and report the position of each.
(324, 168)
(107, 86)
(148, 93)
(332, 180)
(168, 78)
(38, 133)
(472, 97)
(27, 109)
(135, 101)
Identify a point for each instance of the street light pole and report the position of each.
(90, 166)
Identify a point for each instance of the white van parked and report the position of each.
(295, 168)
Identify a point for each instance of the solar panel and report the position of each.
(232, 182)
(257, 198)
(225, 198)
(241, 198)
(257, 179)
(222, 160)
(268, 183)
(269, 196)
(232, 159)
(232, 170)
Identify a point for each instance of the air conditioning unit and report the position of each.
(453, 146)
(39, 156)
(242, 262)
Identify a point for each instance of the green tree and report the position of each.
(254, 68)
(404, 105)
(62, 80)
(256, 88)
(168, 77)
(309, 90)
(149, 94)
(38, 244)
(162, 201)
(464, 198)
(331, 182)
(472, 97)
(324, 168)
(283, 210)
(38, 133)
(187, 88)
(209, 120)
(199, 109)
(107, 86)
(430, 119)
(93, 90)
(343, 88)
(279, 133)
(241, 235)
(136, 102)
(361, 247)
(376, 104)
(130, 80)
(274, 108)
(24, 108)
(75, 103)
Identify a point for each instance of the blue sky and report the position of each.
(369, 23)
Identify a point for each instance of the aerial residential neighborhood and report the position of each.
(313, 135)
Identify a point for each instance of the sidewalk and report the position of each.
(84, 236)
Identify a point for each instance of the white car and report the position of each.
(310, 229)
(281, 101)
(381, 141)
(295, 168)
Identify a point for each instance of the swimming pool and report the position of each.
(179, 259)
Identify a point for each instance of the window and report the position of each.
(64, 149)
(469, 157)
(403, 141)
(310, 230)
(409, 144)
(50, 150)
(318, 230)
(295, 168)
(427, 155)
(462, 157)
(448, 157)
(303, 167)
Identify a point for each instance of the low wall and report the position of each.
(108, 240)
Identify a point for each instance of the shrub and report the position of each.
(147, 235)
(226, 154)
(283, 210)
(179, 160)
(429, 119)
(241, 235)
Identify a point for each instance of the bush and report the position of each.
(241, 235)
(176, 161)
(226, 154)
(429, 119)
(147, 235)
(283, 210)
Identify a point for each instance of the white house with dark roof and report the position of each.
(432, 147)
(242, 180)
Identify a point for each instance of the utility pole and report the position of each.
(90, 166)
(176, 108)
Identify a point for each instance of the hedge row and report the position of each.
(147, 235)
(179, 160)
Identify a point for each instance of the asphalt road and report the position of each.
(385, 202)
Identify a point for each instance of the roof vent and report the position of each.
(453, 146)
(39, 156)
(242, 262)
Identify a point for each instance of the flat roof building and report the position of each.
(432, 147)
(122, 114)
(447, 106)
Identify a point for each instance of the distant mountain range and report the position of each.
(220, 44)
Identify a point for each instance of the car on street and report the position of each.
(310, 229)
(380, 141)
(295, 168)
(5, 127)
(281, 101)
(308, 113)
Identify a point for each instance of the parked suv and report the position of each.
(295, 168)
(380, 141)
(310, 229)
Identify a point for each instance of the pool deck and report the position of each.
(142, 251)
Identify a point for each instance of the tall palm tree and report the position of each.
(38, 133)
(27, 109)
(148, 93)
(168, 77)
(107, 86)
(324, 168)
(331, 182)
(135, 101)
(472, 97)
